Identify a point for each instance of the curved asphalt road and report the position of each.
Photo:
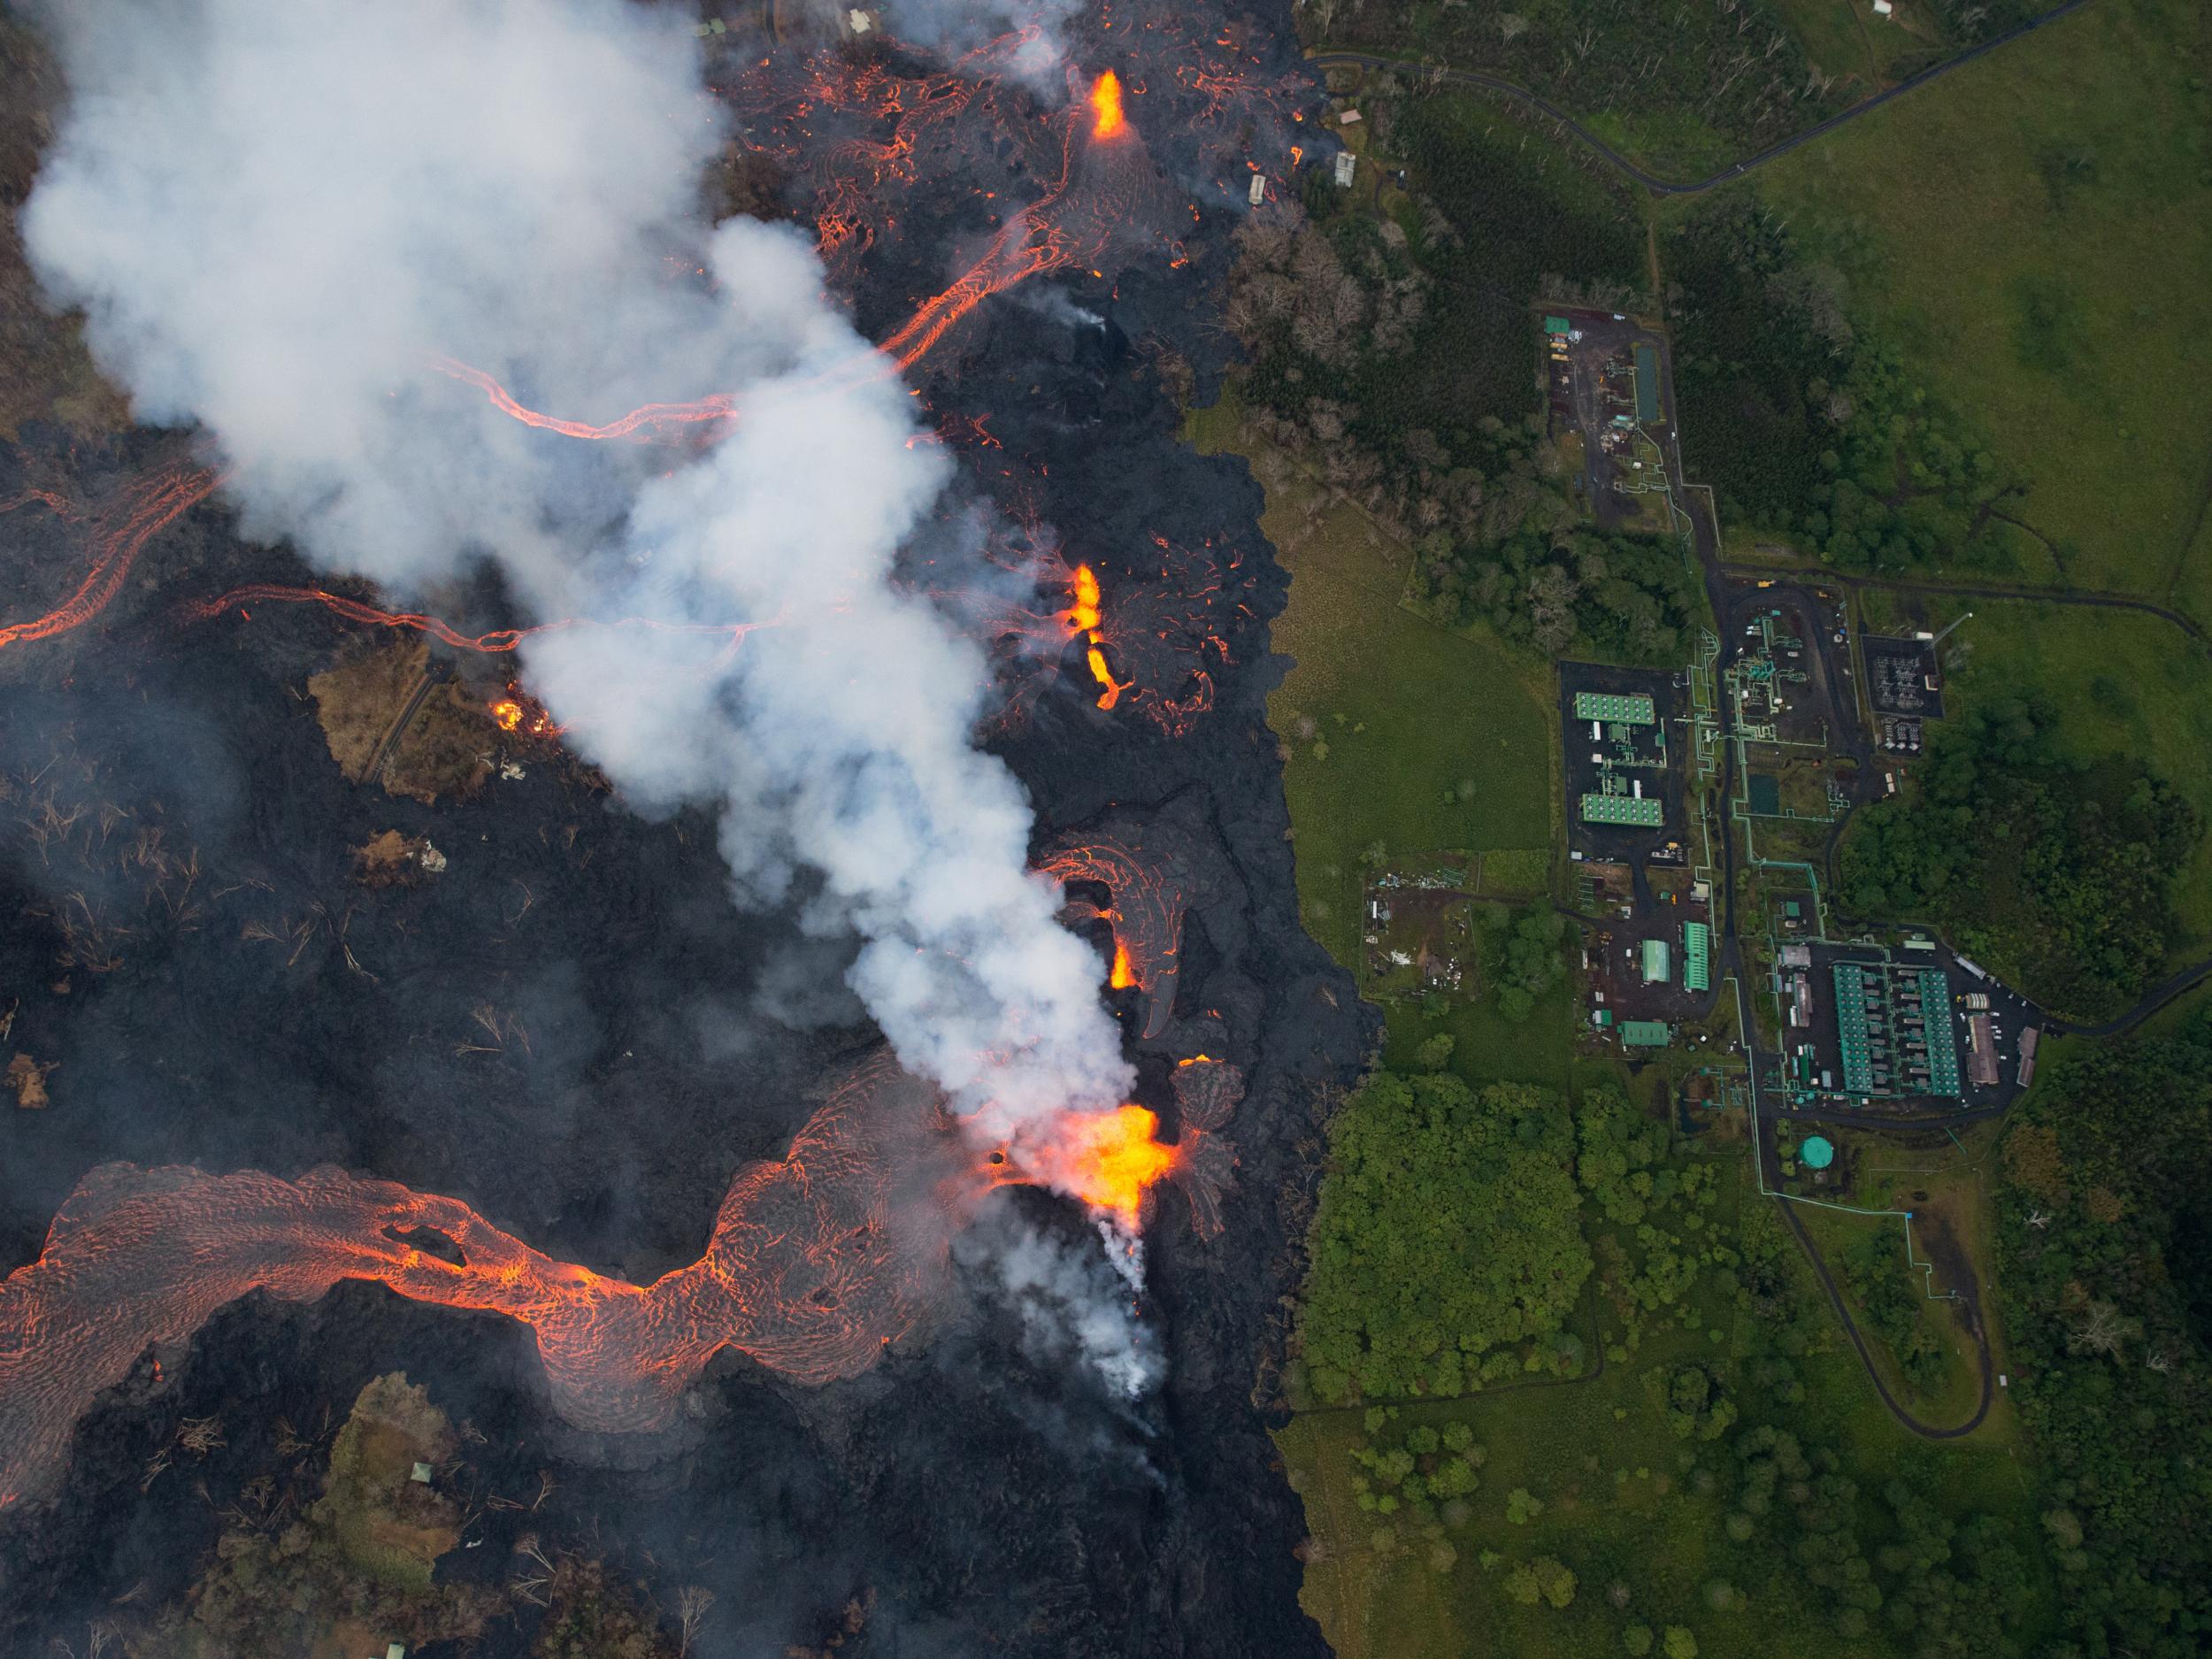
(1866, 1357)
(1824, 576)
(1675, 187)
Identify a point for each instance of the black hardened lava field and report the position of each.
(476, 967)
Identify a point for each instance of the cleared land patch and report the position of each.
(1399, 733)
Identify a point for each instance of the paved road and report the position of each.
(1866, 1357)
(2092, 596)
(1847, 729)
(2151, 1002)
(1676, 186)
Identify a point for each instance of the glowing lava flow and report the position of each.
(1071, 225)
(497, 640)
(147, 509)
(642, 424)
(817, 1262)
(1147, 917)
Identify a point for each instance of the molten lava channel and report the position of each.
(817, 1262)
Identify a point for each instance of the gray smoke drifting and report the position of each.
(1036, 53)
(1069, 1303)
(279, 215)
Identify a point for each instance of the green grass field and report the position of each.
(1844, 37)
(1399, 732)
(2036, 229)
(1953, 1399)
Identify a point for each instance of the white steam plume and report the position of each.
(276, 213)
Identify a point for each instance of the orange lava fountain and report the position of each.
(1107, 120)
(1083, 618)
(1109, 1160)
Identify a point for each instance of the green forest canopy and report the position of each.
(1448, 1246)
(2104, 1248)
(2058, 875)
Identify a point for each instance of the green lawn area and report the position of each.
(2036, 230)
(1844, 37)
(1488, 1047)
(2125, 682)
(1952, 1400)
(1398, 732)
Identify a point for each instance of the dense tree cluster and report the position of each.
(1447, 1249)
(2105, 1266)
(1735, 67)
(2057, 873)
(1888, 1291)
(1425, 1467)
(1697, 1406)
(1524, 958)
(1618, 1150)
(1804, 423)
(1937, 1588)
(1626, 598)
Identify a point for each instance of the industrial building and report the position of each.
(1697, 957)
(1619, 781)
(1645, 1033)
(1616, 708)
(1894, 1026)
(1641, 812)
(1981, 1049)
(1647, 383)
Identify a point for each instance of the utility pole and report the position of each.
(1939, 638)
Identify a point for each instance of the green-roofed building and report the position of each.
(1645, 1033)
(1632, 708)
(1647, 384)
(1556, 325)
(1638, 812)
(1940, 1034)
(1895, 1031)
(1697, 957)
(1656, 968)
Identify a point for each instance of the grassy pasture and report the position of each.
(2036, 229)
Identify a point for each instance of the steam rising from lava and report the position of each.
(281, 215)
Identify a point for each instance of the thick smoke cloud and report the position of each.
(279, 215)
